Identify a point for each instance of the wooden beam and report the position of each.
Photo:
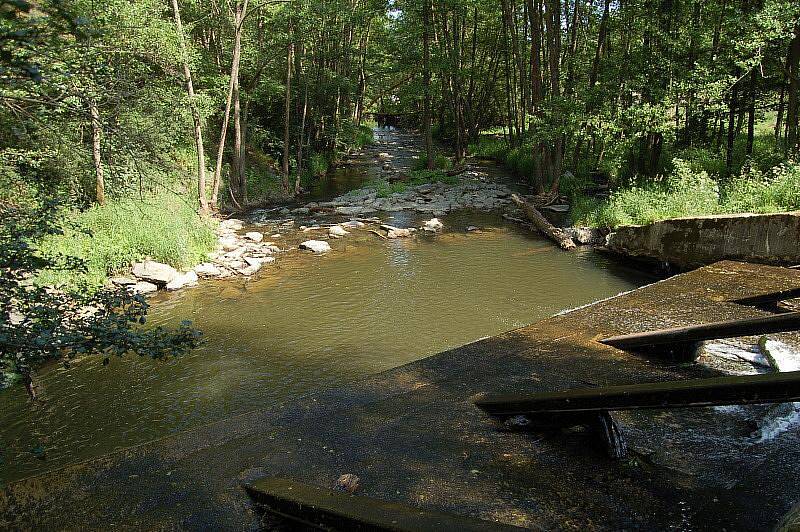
(327, 509)
(684, 336)
(582, 403)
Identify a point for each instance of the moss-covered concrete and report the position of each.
(413, 436)
(691, 242)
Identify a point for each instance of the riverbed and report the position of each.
(302, 324)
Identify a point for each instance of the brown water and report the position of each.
(304, 323)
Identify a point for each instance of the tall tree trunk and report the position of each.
(237, 170)
(240, 13)
(751, 114)
(198, 123)
(793, 103)
(97, 132)
(287, 111)
(734, 101)
(426, 83)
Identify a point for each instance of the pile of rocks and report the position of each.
(434, 198)
(237, 254)
(149, 276)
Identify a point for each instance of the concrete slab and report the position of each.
(413, 437)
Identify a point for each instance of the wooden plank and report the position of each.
(578, 404)
(772, 297)
(328, 509)
(708, 331)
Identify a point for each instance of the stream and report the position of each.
(302, 324)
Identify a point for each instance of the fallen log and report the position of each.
(543, 226)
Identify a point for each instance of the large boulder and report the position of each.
(183, 280)
(317, 246)
(154, 272)
(337, 231)
(207, 269)
(433, 225)
(255, 236)
(229, 242)
(231, 224)
(142, 287)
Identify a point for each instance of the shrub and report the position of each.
(440, 162)
(109, 238)
(486, 147)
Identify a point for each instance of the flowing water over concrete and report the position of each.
(305, 323)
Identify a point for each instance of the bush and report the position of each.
(364, 137)
(684, 193)
(687, 192)
(109, 238)
(493, 148)
(775, 191)
(440, 162)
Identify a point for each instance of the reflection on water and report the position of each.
(308, 322)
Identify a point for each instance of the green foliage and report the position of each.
(440, 162)
(762, 192)
(489, 147)
(687, 192)
(108, 239)
(39, 324)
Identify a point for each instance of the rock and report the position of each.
(301, 210)
(142, 287)
(235, 254)
(354, 211)
(285, 211)
(122, 281)
(231, 224)
(337, 231)
(587, 235)
(472, 229)
(229, 242)
(317, 246)
(154, 272)
(182, 280)
(255, 236)
(312, 205)
(207, 270)
(399, 233)
(433, 225)
(353, 224)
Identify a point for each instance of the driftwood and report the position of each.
(374, 232)
(543, 226)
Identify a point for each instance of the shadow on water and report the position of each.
(305, 323)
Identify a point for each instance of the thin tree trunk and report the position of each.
(793, 103)
(97, 132)
(241, 12)
(751, 114)
(426, 83)
(287, 111)
(198, 123)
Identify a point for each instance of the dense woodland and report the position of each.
(123, 123)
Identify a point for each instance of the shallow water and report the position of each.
(305, 323)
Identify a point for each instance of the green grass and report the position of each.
(687, 192)
(109, 238)
(384, 189)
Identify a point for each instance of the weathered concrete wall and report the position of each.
(691, 242)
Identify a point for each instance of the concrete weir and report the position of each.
(413, 436)
(697, 241)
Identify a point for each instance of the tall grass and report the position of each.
(687, 192)
(107, 239)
